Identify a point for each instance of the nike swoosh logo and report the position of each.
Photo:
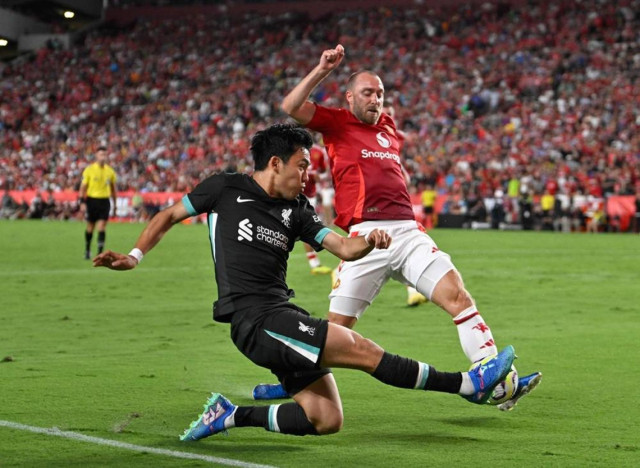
(244, 200)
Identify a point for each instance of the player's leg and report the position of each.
(275, 391)
(418, 261)
(317, 268)
(327, 194)
(316, 410)
(101, 226)
(446, 289)
(88, 236)
(290, 342)
(443, 285)
(356, 286)
(348, 349)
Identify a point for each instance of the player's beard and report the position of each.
(362, 114)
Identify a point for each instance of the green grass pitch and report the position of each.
(131, 356)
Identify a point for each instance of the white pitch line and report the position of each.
(54, 431)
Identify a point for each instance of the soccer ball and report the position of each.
(505, 389)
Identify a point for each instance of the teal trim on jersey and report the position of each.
(187, 204)
(273, 418)
(322, 234)
(212, 220)
(310, 352)
(424, 376)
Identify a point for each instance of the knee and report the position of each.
(451, 295)
(342, 320)
(463, 300)
(329, 422)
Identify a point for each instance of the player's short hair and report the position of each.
(280, 140)
(101, 148)
(352, 79)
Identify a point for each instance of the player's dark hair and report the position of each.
(101, 148)
(280, 140)
(352, 79)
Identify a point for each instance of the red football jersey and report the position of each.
(365, 165)
(318, 166)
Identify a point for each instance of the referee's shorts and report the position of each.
(98, 209)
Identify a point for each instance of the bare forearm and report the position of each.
(154, 231)
(297, 103)
(354, 248)
(150, 236)
(300, 94)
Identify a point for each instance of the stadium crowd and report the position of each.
(535, 105)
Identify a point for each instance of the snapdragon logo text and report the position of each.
(380, 155)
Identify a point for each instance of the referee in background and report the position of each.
(98, 185)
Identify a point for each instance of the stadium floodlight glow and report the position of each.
(3, 42)
(69, 14)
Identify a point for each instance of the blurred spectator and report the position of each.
(37, 207)
(491, 97)
(476, 210)
(636, 217)
(498, 213)
(526, 211)
(547, 204)
(428, 198)
(8, 207)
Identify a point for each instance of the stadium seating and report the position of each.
(494, 99)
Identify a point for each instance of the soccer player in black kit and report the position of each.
(254, 222)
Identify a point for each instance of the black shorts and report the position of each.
(285, 340)
(98, 209)
(427, 209)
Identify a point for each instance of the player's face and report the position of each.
(366, 98)
(294, 175)
(101, 157)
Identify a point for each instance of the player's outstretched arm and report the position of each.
(296, 104)
(354, 248)
(151, 235)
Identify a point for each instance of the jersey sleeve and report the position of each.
(312, 230)
(325, 119)
(86, 176)
(205, 196)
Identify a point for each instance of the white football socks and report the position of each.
(475, 335)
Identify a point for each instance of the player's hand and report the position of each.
(379, 239)
(115, 261)
(331, 58)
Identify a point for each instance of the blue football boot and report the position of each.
(525, 385)
(216, 410)
(488, 373)
(269, 392)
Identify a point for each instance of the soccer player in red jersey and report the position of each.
(364, 146)
(318, 166)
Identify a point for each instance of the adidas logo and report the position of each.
(244, 230)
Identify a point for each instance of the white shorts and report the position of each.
(327, 195)
(409, 255)
(313, 201)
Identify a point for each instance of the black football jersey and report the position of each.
(251, 236)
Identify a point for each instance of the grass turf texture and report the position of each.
(132, 356)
